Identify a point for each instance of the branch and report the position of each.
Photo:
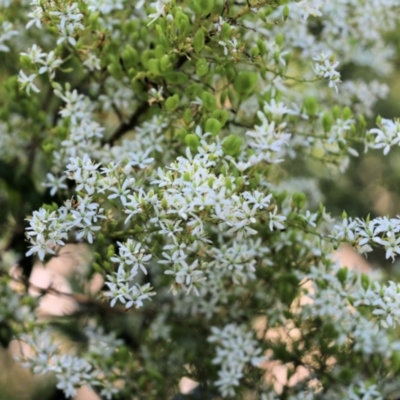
(127, 126)
(82, 300)
(142, 108)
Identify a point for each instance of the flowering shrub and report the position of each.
(161, 134)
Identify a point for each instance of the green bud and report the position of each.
(228, 183)
(164, 203)
(311, 105)
(280, 197)
(262, 47)
(172, 102)
(239, 182)
(279, 39)
(365, 281)
(342, 274)
(245, 83)
(100, 239)
(362, 123)
(25, 62)
(347, 114)
(198, 40)
(213, 126)
(336, 112)
(378, 120)
(299, 200)
(97, 267)
(110, 251)
(232, 145)
(285, 12)
(327, 122)
(255, 51)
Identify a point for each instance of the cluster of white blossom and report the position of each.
(363, 234)
(235, 349)
(71, 371)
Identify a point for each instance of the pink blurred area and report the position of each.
(57, 274)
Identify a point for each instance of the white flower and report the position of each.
(55, 183)
(50, 64)
(275, 220)
(27, 82)
(35, 54)
(160, 7)
(387, 135)
(325, 68)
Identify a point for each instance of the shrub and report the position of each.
(168, 136)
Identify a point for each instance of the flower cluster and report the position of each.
(236, 348)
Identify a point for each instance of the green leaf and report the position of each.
(154, 66)
(192, 141)
(146, 56)
(232, 145)
(172, 102)
(182, 21)
(201, 67)
(165, 62)
(116, 71)
(209, 101)
(213, 126)
(221, 115)
(245, 83)
(198, 40)
(175, 77)
(129, 56)
(203, 7)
